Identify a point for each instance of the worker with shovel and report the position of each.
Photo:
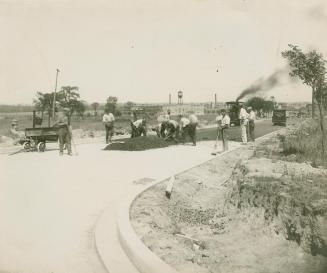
(64, 132)
(225, 123)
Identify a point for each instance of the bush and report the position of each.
(305, 143)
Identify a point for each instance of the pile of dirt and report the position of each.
(5, 139)
(138, 144)
(258, 215)
(292, 198)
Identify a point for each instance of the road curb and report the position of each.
(142, 258)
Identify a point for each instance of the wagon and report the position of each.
(36, 138)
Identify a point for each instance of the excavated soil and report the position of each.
(244, 212)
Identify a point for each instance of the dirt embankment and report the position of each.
(239, 213)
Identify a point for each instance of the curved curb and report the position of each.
(137, 252)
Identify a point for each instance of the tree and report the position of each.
(95, 106)
(69, 98)
(256, 103)
(310, 68)
(111, 104)
(43, 103)
(80, 108)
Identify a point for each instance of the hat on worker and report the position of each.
(14, 121)
(249, 108)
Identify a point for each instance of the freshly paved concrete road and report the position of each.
(49, 205)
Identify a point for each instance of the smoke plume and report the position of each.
(263, 84)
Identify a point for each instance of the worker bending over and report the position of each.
(164, 124)
(172, 130)
(138, 128)
(188, 127)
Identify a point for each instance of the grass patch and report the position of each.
(305, 143)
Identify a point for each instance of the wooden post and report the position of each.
(54, 96)
(170, 185)
(33, 118)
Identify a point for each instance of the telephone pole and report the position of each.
(54, 94)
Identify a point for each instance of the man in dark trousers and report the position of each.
(65, 131)
(138, 128)
(188, 127)
(251, 123)
(108, 120)
(172, 130)
(224, 125)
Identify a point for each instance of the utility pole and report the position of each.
(54, 95)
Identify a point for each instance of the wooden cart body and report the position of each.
(38, 137)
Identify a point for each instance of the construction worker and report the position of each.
(251, 123)
(64, 132)
(224, 125)
(188, 127)
(172, 130)
(219, 118)
(18, 136)
(108, 120)
(138, 128)
(164, 124)
(193, 124)
(243, 117)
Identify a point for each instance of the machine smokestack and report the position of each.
(262, 85)
(169, 98)
(215, 99)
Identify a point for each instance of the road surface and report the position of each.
(49, 205)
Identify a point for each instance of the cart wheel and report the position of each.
(41, 146)
(26, 145)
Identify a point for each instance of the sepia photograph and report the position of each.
(163, 136)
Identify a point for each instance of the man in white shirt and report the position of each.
(243, 123)
(251, 123)
(189, 128)
(224, 125)
(108, 120)
(164, 123)
(172, 130)
(138, 128)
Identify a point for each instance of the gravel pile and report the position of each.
(138, 144)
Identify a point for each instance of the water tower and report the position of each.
(180, 97)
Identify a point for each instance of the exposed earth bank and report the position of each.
(244, 212)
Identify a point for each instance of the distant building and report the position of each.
(184, 109)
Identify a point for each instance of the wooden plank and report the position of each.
(170, 186)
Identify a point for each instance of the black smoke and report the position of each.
(262, 85)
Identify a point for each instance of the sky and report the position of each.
(144, 50)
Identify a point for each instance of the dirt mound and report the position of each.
(5, 139)
(260, 215)
(138, 144)
(291, 196)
